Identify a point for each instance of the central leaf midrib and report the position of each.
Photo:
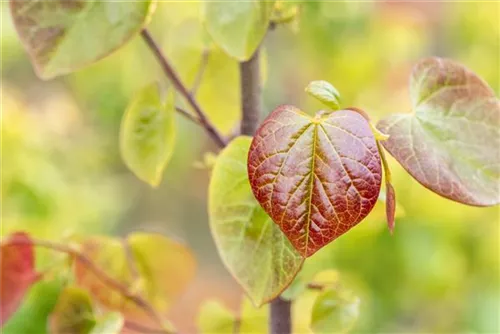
(311, 185)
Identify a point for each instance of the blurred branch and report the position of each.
(181, 88)
(188, 115)
(203, 65)
(100, 274)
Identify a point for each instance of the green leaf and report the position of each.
(111, 323)
(316, 177)
(334, 311)
(151, 265)
(147, 134)
(62, 36)
(238, 27)
(38, 305)
(325, 93)
(73, 313)
(251, 246)
(450, 142)
(215, 318)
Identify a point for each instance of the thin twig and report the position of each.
(188, 115)
(181, 88)
(100, 274)
(203, 65)
(315, 286)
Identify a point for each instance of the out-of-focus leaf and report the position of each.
(316, 177)
(238, 27)
(62, 36)
(325, 93)
(334, 311)
(73, 313)
(215, 318)
(39, 303)
(111, 323)
(450, 143)
(253, 319)
(251, 246)
(17, 264)
(147, 134)
(284, 12)
(158, 269)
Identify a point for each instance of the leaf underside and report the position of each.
(62, 36)
(251, 246)
(316, 177)
(450, 143)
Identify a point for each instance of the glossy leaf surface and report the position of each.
(17, 261)
(316, 177)
(238, 27)
(252, 247)
(157, 268)
(73, 313)
(450, 142)
(325, 93)
(334, 311)
(147, 134)
(62, 36)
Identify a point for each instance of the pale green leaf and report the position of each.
(325, 93)
(62, 36)
(252, 247)
(334, 311)
(238, 27)
(111, 323)
(215, 318)
(147, 134)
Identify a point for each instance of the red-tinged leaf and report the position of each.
(17, 261)
(450, 142)
(154, 267)
(390, 205)
(316, 177)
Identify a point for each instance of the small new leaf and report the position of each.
(147, 134)
(334, 311)
(17, 264)
(450, 142)
(325, 93)
(251, 246)
(62, 36)
(315, 177)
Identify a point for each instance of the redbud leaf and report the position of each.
(450, 142)
(155, 267)
(250, 245)
(334, 311)
(315, 177)
(62, 36)
(147, 134)
(324, 92)
(17, 262)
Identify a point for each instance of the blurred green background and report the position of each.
(62, 173)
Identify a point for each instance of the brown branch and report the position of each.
(100, 274)
(181, 88)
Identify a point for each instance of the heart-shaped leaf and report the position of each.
(17, 262)
(73, 313)
(147, 134)
(154, 267)
(251, 246)
(450, 142)
(238, 27)
(316, 177)
(62, 36)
